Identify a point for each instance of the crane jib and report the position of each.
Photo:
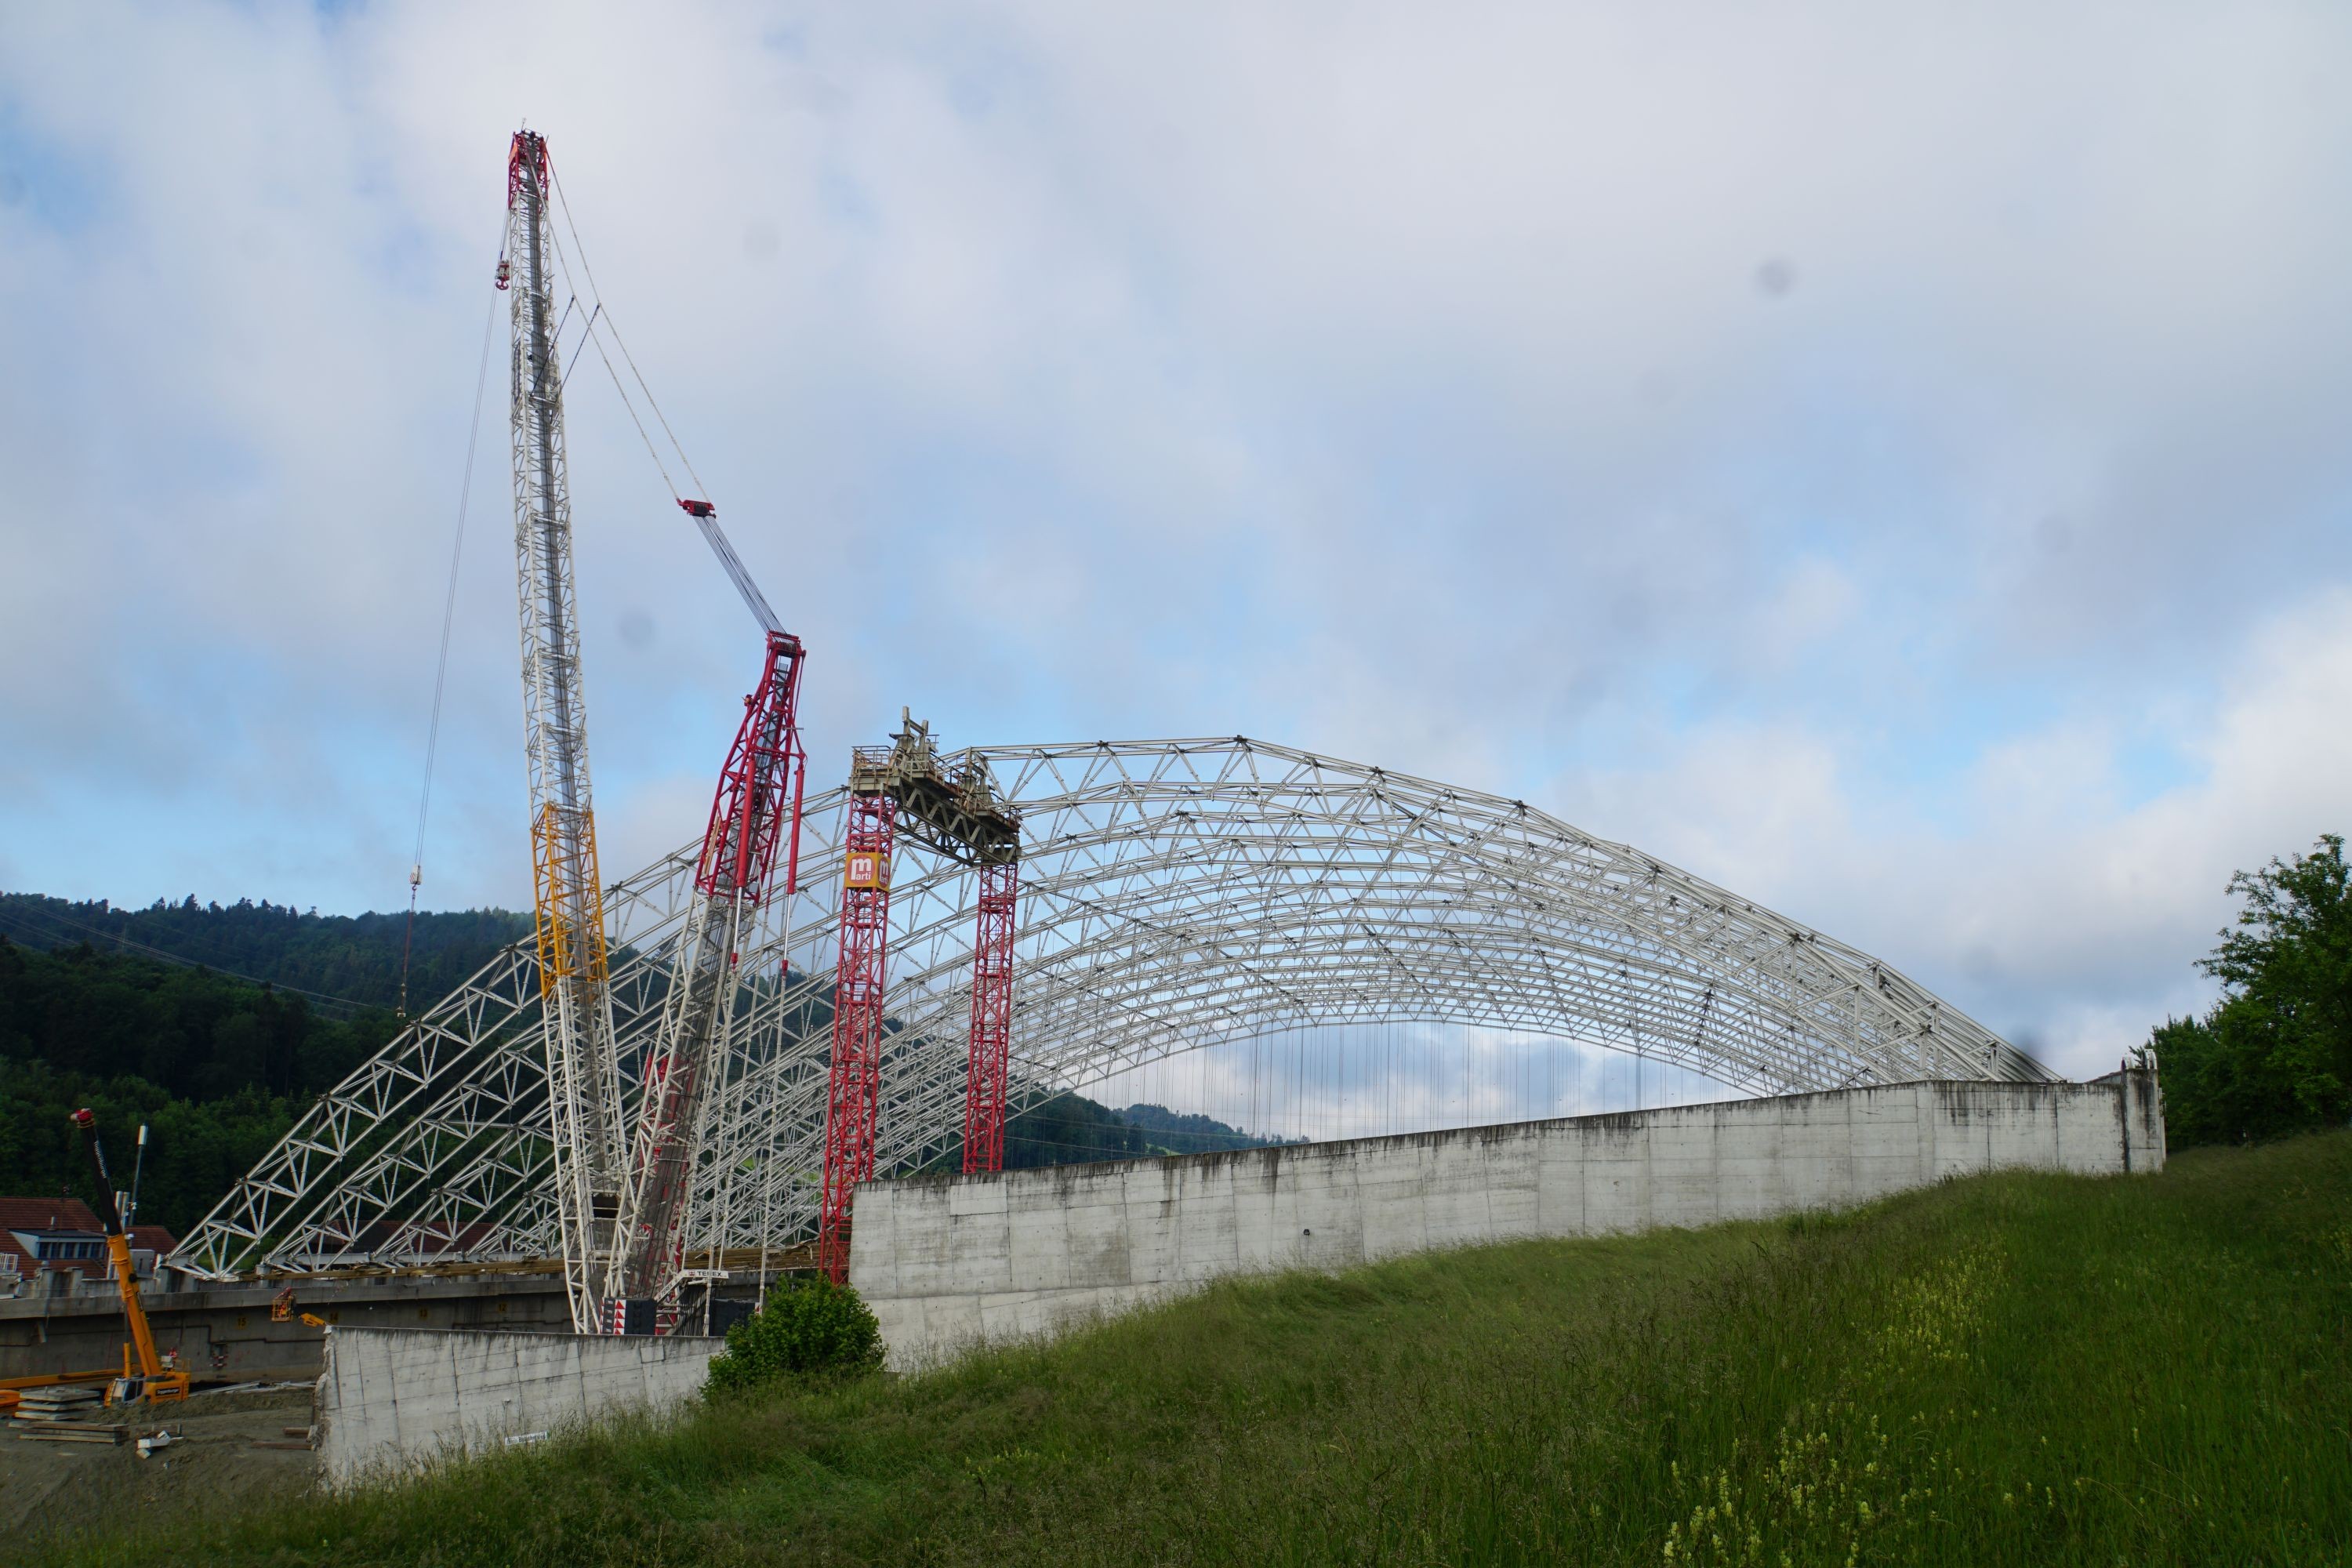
(706, 517)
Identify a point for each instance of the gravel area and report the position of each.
(211, 1463)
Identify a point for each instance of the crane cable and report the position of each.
(596, 295)
(441, 670)
(705, 515)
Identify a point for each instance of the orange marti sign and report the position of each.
(867, 869)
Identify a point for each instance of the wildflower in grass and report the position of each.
(1936, 1316)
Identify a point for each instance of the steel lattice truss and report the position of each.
(1176, 894)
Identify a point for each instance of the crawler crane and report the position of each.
(623, 1184)
(576, 1018)
(755, 815)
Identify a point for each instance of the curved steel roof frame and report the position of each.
(1175, 894)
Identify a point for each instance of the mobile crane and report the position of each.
(153, 1381)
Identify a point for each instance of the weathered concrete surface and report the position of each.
(947, 1262)
(225, 1332)
(392, 1398)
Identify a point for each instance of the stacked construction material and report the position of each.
(62, 1415)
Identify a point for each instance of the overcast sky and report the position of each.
(1893, 461)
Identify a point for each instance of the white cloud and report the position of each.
(1395, 381)
(2037, 901)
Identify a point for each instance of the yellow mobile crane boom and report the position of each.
(153, 1380)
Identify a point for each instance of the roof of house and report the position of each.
(72, 1215)
(46, 1213)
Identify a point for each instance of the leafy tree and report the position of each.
(811, 1330)
(2274, 1055)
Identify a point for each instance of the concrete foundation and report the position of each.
(950, 1262)
(390, 1399)
(226, 1333)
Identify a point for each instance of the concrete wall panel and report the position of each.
(949, 1262)
(390, 1399)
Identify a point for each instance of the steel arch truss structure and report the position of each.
(1175, 894)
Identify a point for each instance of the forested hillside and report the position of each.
(1180, 1132)
(350, 959)
(1066, 1128)
(218, 1066)
(214, 1024)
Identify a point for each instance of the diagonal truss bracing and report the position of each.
(1175, 894)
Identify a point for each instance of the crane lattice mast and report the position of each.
(582, 1071)
(755, 814)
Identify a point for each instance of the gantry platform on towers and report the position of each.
(956, 814)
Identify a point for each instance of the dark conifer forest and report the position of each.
(217, 1024)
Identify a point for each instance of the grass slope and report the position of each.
(2020, 1368)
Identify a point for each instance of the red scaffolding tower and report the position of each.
(861, 979)
(955, 813)
(992, 1016)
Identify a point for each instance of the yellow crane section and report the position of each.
(153, 1380)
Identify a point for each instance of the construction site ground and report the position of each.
(211, 1463)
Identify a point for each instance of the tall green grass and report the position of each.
(2022, 1368)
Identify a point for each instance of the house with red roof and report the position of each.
(40, 1235)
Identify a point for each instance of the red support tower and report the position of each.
(855, 1087)
(991, 1017)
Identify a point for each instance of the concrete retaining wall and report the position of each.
(947, 1262)
(226, 1332)
(392, 1398)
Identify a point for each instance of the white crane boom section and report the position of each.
(583, 1084)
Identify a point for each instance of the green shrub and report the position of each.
(820, 1328)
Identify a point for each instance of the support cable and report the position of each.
(700, 508)
(579, 347)
(705, 515)
(441, 670)
(22, 919)
(598, 294)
